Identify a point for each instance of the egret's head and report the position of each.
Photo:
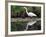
(25, 7)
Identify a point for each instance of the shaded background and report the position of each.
(19, 11)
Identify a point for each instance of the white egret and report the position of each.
(29, 13)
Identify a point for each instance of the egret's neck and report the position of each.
(26, 11)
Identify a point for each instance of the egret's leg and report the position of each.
(26, 27)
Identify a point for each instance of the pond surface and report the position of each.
(21, 25)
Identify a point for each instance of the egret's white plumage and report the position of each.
(30, 13)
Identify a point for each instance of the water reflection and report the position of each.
(35, 26)
(30, 24)
(25, 25)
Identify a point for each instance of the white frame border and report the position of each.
(23, 32)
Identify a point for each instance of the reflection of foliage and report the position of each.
(21, 25)
(17, 11)
(18, 26)
(37, 25)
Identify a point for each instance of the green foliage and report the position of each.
(18, 10)
(18, 25)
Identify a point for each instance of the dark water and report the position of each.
(21, 26)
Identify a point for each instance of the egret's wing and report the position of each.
(32, 14)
